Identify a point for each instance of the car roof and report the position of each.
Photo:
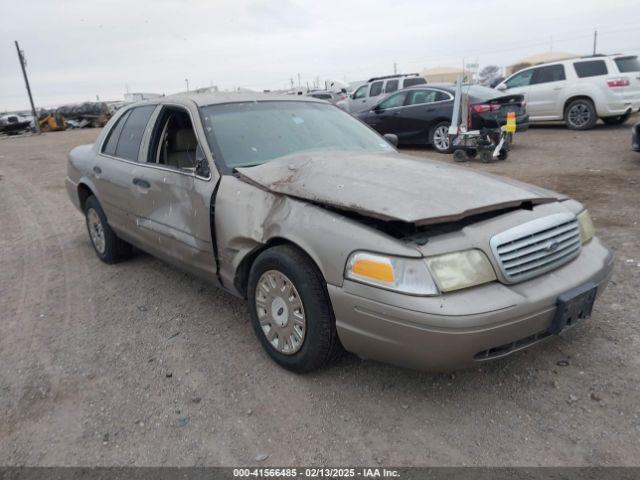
(205, 99)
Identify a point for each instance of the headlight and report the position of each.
(406, 275)
(453, 271)
(587, 230)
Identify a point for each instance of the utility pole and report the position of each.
(595, 40)
(299, 82)
(395, 68)
(187, 82)
(23, 63)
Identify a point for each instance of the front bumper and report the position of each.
(462, 328)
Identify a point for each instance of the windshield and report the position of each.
(253, 133)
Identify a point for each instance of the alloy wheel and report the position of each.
(441, 138)
(579, 115)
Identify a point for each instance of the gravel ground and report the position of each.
(140, 364)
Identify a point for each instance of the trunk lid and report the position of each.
(392, 187)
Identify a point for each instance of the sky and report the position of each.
(78, 49)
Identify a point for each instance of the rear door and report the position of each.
(115, 167)
(547, 88)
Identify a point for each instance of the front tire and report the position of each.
(580, 115)
(290, 310)
(108, 247)
(439, 138)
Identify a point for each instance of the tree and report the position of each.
(488, 74)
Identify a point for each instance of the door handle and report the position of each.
(141, 183)
(97, 170)
(429, 109)
(557, 88)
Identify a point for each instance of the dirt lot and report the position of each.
(141, 364)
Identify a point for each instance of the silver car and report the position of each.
(335, 239)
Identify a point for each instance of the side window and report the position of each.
(131, 135)
(521, 79)
(394, 101)
(417, 97)
(111, 142)
(376, 89)
(391, 86)
(551, 73)
(592, 68)
(410, 82)
(443, 97)
(361, 92)
(174, 143)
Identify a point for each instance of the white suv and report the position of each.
(580, 90)
(367, 95)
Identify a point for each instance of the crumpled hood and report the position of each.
(392, 186)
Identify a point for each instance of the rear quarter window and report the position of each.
(628, 64)
(111, 142)
(409, 82)
(591, 68)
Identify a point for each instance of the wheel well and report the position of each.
(84, 192)
(577, 97)
(242, 272)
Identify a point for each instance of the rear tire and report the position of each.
(286, 291)
(439, 138)
(618, 119)
(580, 114)
(108, 247)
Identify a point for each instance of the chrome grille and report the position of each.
(536, 247)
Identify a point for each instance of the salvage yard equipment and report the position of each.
(96, 113)
(52, 122)
(489, 144)
(13, 124)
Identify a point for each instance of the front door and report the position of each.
(518, 84)
(174, 191)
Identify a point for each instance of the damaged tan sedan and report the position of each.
(335, 239)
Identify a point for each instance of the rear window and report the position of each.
(131, 135)
(592, 68)
(391, 86)
(628, 64)
(409, 82)
(376, 89)
(112, 137)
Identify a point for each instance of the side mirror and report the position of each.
(391, 138)
(501, 87)
(202, 165)
(378, 109)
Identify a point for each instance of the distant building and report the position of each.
(537, 59)
(441, 74)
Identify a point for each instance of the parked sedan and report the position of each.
(635, 137)
(334, 238)
(421, 115)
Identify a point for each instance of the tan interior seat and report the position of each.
(182, 149)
